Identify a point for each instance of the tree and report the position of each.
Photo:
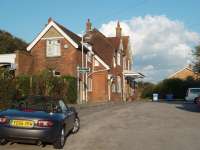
(196, 53)
(10, 43)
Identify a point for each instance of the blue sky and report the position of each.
(25, 18)
(163, 33)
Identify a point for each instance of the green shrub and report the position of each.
(44, 83)
(71, 95)
(23, 85)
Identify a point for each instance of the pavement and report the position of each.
(133, 126)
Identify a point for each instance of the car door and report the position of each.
(71, 115)
(68, 116)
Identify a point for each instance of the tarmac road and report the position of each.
(133, 126)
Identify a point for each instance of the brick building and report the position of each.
(185, 73)
(109, 60)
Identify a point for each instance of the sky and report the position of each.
(162, 33)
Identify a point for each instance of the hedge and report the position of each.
(62, 87)
(177, 87)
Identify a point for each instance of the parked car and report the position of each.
(192, 93)
(38, 119)
(197, 100)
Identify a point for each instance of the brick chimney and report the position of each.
(190, 66)
(118, 30)
(88, 26)
(50, 19)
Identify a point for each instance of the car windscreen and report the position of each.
(195, 91)
(37, 103)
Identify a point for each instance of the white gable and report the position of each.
(51, 24)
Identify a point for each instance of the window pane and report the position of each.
(53, 48)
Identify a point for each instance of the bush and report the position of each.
(71, 95)
(175, 86)
(23, 85)
(147, 89)
(44, 83)
(7, 82)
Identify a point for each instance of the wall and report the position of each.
(24, 62)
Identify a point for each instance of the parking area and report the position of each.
(136, 125)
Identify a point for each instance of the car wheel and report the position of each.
(76, 125)
(60, 142)
(3, 141)
(195, 100)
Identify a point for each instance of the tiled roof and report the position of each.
(116, 41)
(101, 46)
(71, 34)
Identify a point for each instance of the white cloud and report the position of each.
(165, 45)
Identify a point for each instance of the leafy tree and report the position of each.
(146, 89)
(10, 43)
(196, 53)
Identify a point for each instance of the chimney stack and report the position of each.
(49, 20)
(88, 26)
(118, 30)
(190, 66)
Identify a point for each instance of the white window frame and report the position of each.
(118, 58)
(54, 73)
(113, 87)
(53, 48)
(124, 63)
(114, 62)
(119, 84)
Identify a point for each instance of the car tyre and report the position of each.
(3, 141)
(76, 125)
(60, 142)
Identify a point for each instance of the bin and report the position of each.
(155, 96)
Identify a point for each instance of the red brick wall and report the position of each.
(99, 87)
(66, 63)
(24, 63)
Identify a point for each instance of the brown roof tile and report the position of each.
(116, 41)
(102, 46)
(71, 34)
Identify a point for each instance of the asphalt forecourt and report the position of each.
(136, 125)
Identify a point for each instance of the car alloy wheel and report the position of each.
(3, 141)
(59, 144)
(62, 138)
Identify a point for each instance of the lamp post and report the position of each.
(82, 65)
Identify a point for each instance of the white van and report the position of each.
(192, 93)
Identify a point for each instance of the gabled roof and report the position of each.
(73, 38)
(101, 61)
(116, 41)
(181, 70)
(101, 46)
(70, 36)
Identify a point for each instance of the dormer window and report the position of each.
(118, 58)
(53, 48)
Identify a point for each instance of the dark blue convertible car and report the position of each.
(38, 119)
